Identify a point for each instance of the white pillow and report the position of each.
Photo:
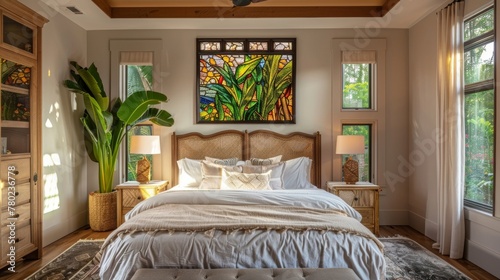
(189, 172)
(264, 161)
(245, 181)
(297, 173)
(277, 170)
(225, 161)
(211, 174)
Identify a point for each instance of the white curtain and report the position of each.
(450, 148)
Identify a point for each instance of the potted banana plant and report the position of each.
(105, 126)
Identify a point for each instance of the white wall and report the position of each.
(313, 89)
(482, 231)
(64, 156)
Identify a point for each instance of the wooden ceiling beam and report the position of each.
(388, 5)
(247, 12)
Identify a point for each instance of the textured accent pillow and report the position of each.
(297, 173)
(211, 174)
(189, 172)
(264, 161)
(245, 181)
(226, 161)
(276, 179)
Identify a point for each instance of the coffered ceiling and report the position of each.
(222, 14)
(251, 8)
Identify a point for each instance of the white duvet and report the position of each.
(129, 251)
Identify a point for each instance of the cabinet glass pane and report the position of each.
(15, 107)
(17, 34)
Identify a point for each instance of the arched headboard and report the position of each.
(245, 145)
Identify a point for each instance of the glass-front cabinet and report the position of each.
(16, 108)
(20, 126)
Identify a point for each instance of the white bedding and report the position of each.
(134, 249)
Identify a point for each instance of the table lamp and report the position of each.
(350, 145)
(145, 145)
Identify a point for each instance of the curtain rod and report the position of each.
(454, 1)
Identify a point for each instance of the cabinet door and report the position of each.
(18, 35)
(16, 108)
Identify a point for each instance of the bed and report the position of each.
(243, 200)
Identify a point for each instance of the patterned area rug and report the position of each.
(406, 260)
(70, 264)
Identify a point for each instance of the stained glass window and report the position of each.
(234, 46)
(246, 82)
(258, 46)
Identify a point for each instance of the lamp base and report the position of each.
(351, 171)
(143, 171)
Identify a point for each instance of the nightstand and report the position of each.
(362, 196)
(131, 193)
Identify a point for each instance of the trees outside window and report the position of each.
(356, 92)
(479, 110)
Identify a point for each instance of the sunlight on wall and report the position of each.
(51, 192)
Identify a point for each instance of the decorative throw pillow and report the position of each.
(211, 174)
(226, 161)
(276, 179)
(297, 173)
(264, 161)
(189, 172)
(245, 181)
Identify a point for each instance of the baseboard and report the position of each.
(393, 217)
(423, 225)
(482, 257)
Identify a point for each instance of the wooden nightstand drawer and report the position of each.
(368, 215)
(364, 197)
(132, 193)
(358, 198)
(132, 197)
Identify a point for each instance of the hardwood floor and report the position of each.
(26, 268)
(470, 269)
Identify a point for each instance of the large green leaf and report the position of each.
(137, 104)
(162, 118)
(246, 68)
(95, 90)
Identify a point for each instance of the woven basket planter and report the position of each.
(102, 211)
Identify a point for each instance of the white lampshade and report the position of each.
(350, 144)
(145, 144)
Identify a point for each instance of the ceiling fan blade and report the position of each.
(241, 3)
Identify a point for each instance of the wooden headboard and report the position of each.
(245, 145)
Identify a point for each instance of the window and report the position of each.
(356, 92)
(137, 78)
(358, 102)
(479, 110)
(137, 64)
(357, 69)
(364, 160)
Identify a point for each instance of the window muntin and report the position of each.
(479, 111)
(356, 86)
(364, 160)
